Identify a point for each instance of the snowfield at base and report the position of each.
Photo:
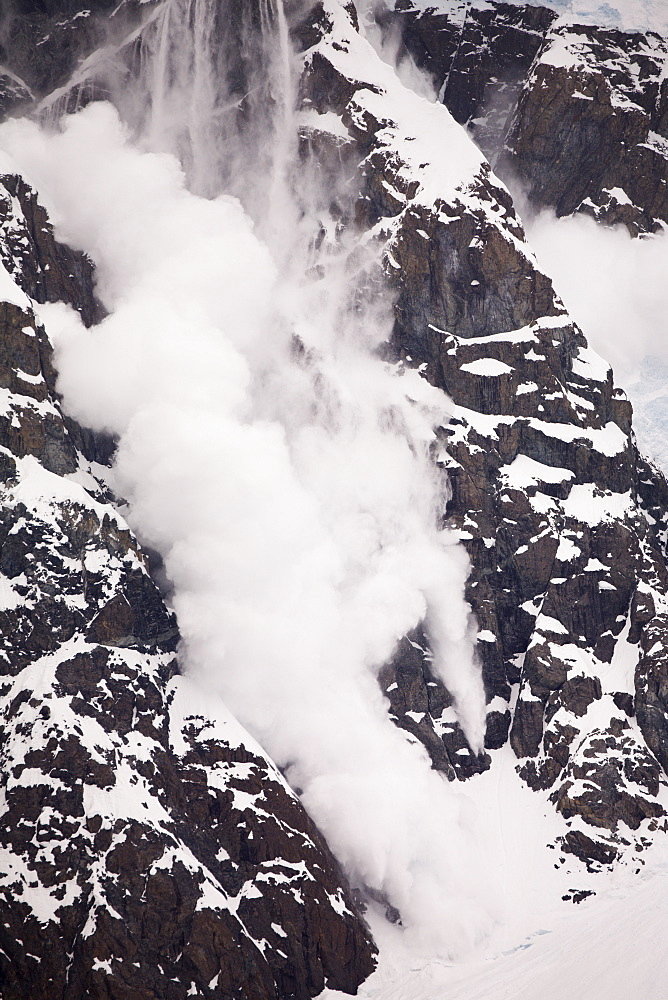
(610, 946)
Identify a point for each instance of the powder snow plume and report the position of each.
(614, 287)
(283, 470)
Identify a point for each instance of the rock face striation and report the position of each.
(149, 846)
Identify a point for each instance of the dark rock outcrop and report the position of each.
(598, 143)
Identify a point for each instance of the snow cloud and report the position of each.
(616, 290)
(284, 473)
(614, 286)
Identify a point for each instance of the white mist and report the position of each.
(281, 468)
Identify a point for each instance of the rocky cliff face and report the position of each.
(43, 44)
(549, 494)
(603, 149)
(151, 846)
(575, 113)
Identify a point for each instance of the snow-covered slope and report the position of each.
(610, 948)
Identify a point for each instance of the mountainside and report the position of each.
(551, 499)
(577, 114)
(151, 846)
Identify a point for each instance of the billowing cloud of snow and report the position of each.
(286, 474)
(615, 288)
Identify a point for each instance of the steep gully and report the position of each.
(563, 521)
